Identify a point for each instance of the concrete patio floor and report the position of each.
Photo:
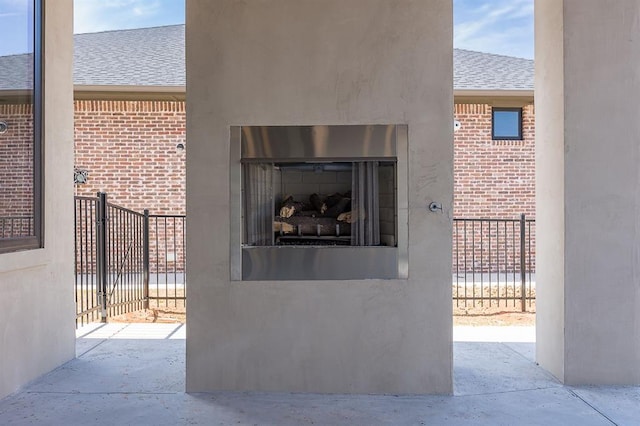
(133, 374)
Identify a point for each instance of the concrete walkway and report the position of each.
(133, 374)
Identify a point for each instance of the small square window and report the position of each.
(506, 124)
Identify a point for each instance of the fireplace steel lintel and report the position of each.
(318, 143)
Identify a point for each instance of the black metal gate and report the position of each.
(125, 259)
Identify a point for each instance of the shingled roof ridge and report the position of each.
(496, 55)
(16, 55)
(129, 29)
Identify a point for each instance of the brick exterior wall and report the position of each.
(492, 179)
(129, 150)
(16, 170)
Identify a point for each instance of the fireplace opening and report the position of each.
(319, 202)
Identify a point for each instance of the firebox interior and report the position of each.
(324, 204)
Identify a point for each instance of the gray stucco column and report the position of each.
(320, 62)
(588, 189)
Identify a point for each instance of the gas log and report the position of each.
(341, 206)
(333, 205)
(316, 202)
(311, 226)
(291, 207)
(323, 216)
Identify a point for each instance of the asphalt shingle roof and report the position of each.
(487, 71)
(140, 57)
(16, 72)
(156, 57)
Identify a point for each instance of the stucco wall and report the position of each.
(293, 62)
(602, 191)
(595, 154)
(36, 294)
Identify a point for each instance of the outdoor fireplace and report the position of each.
(318, 202)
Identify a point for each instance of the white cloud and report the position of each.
(499, 26)
(21, 4)
(151, 8)
(101, 15)
(13, 7)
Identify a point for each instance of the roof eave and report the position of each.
(494, 97)
(129, 93)
(15, 96)
(177, 93)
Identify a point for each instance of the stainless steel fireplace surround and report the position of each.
(319, 202)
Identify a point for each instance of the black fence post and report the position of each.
(101, 253)
(523, 262)
(146, 263)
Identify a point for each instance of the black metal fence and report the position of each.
(86, 282)
(126, 260)
(494, 262)
(167, 265)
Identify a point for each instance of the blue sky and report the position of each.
(496, 26)
(15, 27)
